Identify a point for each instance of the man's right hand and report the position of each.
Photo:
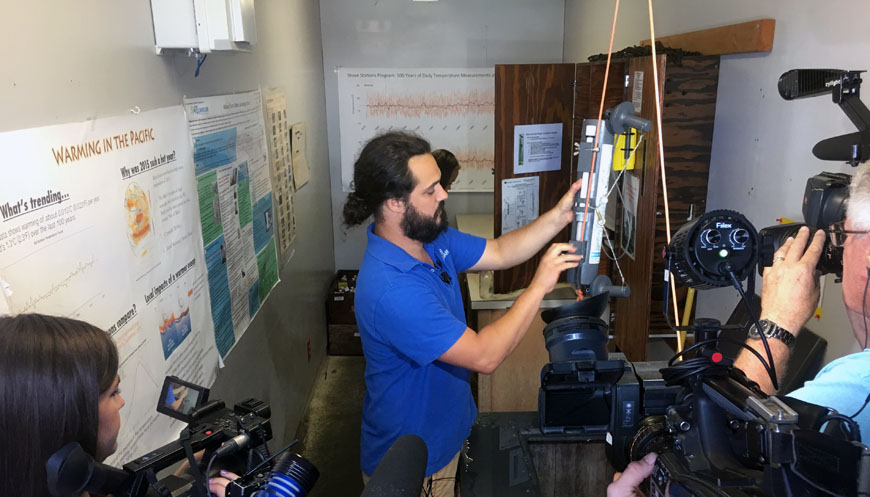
(790, 290)
(557, 258)
(626, 484)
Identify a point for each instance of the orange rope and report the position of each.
(655, 66)
(598, 126)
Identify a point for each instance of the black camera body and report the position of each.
(724, 437)
(588, 392)
(211, 426)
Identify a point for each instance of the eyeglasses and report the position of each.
(837, 233)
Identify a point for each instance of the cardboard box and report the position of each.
(339, 300)
(343, 339)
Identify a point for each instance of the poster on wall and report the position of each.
(278, 131)
(98, 223)
(519, 202)
(452, 108)
(537, 148)
(234, 192)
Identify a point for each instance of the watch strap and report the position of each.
(772, 330)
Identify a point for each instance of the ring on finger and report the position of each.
(779, 258)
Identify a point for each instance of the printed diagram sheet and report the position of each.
(452, 108)
(298, 146)
(519, 202)
(235, 206)
(283, 175)
(99, 223)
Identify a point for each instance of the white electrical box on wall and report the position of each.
(204, 26)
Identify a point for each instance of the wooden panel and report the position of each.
(687, 115)
(632, 314)
(530, 94)
(745, 37)
(514, 385)
(571, 468)
(688, 110)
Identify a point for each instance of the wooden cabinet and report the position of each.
(570, 93)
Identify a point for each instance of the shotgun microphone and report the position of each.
(400, 473)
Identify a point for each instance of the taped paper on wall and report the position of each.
(519, 202)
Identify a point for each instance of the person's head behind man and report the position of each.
(856, 250)
(397, 180)
(448, 165)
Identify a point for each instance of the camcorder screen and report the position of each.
(179, 398)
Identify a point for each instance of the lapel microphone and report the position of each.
(444, 276)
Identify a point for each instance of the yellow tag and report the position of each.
(619, 150)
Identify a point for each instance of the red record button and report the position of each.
(717, 357)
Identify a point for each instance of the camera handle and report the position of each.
(201, 487)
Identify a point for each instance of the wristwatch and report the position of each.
(772, 330)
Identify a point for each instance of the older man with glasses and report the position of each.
(790, 294)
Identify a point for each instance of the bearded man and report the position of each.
(418, 348)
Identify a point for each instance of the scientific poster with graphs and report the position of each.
(452, 108)
(98, 222)
(234, 190)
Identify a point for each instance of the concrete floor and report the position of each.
(329, 432)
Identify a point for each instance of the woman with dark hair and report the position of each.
(448, 165)
(58, 384)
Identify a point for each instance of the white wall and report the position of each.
(73, 61)
(448, 33)
(762, 144)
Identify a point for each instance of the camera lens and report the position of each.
(773, 237)
(292, 476)
(576, 338)
(652, 436)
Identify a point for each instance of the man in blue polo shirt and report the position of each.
(418, 347)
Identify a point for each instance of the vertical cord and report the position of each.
(655, 64)
(598, 126)
(864, 306)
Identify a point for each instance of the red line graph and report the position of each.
(474, 159)
(431, 105)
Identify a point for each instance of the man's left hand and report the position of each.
(218, 484)
(565, 206)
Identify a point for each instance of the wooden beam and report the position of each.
(745, 37)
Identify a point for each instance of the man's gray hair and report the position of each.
(858, 207)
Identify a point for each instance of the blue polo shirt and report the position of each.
(408, 316)
(842, 385)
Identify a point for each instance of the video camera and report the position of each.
(584, 390)
(715, 431)
(725, 437)
(826, 193)
(212, 428)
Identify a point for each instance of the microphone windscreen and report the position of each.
(839, 148)
(401, 471)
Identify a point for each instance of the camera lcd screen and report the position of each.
(179, 398)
